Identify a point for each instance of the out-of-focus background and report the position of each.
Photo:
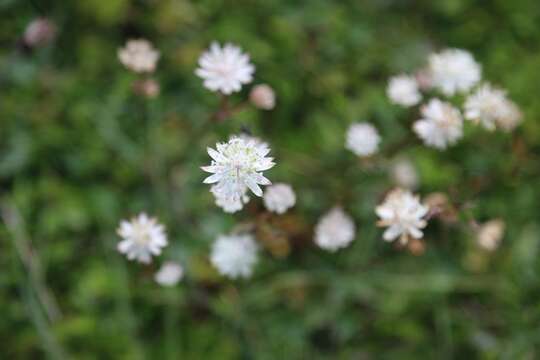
(79, 151)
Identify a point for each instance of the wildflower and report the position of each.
(404, 174)
(454, 70)
(441, 124)
(225, 69)
(335, 230)
(142, 237)
(490, 234)
(510, 116)
(234, 255)
(362, 139)
(486, 105)
(403, 214)
(139, 56)
(39, 32)
(230, 205)
(169, 274)
(279, 198)
(403, 90)
(263, 97)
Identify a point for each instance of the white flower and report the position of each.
(441, 124)
(234, 255)
(263, 97)
(279, 198)
(225, 69)
(142, 237)
(509, 117)
(454, 70)
(334, 230)
(403, 90)
(489, 235)
(238, 164)
(169, 274)
(404, 174)
(362, 139)
(403, 214)
(139, 56)
(230, 205)
(486, 105)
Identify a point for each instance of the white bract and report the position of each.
(143, 237)
(169, 274)
(441, 124)
(225, 69)
(453, 71)
(139, 56)
(403, 90)
(234, 255)
(403, 214)
(230, 205)
(362, 139)
(279, 198)
(236, 165)
(335, 230)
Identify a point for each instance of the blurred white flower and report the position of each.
(139, 56)
(403, 90)
(225, 69)
(509, 116)
(403, 214)
(486, 105)
(142, 237)
(441, 124)
(335, 230)
(279, 198)
(362, 139)
(263, 97)
(169, 274)
(39, 32)
(454, 70)
(490, 234)
(238, 164)
(148, 88)
(404, 174)
(234, 255)
(230, 205)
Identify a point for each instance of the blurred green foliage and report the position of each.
(79, 151)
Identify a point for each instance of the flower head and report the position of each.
(234, 255)
(236, 165)
(335, 230)
(263, 97)
(169, 274)
(454, 70)
(441, 124)
(39, 32)
(230, 204)
(485, 106)
(279, 198)
(509, 117)
(489, 234)
(139, 56)
(403, 214)
(225, 69)
(404, 173)
(142, 237)
(362, 139)
(403, 90)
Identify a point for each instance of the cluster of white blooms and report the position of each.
(139, 56)
(225, 69)
(403, 214)
(403, 90)
(234, 255)
(169, 274)
(441, 124)
(142, 237)
(335, 230)
(453, 71)
(279, 198)
(362, 139)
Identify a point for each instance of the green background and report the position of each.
(79, 152)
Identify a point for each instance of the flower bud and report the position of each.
(262, 96)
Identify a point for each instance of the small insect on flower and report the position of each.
(234, 256)
(403, 90)
(279, 198)
(403, 214)
(335, 230)
(362, 139)
(139, 56)
(236, 165)
(225, 69)
(441, 124)
(169, 274)
(454, 70)
(143, 237)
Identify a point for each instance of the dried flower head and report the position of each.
(335, 230)
(234, 255)
(143, 237)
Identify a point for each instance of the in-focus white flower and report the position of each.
(454, 70)
(234, 255)
(486, 105)
(263, 97)
(509, 117)
(335, 230)
(403, 214)
(225, 69)
(238, 164)
(362, 139)
(143, 237)
(441, 124)
(139, 56)
(279, 198)
(404, 174)
(403, 90)
(490, 234)
(230, 205)
(169, 274)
